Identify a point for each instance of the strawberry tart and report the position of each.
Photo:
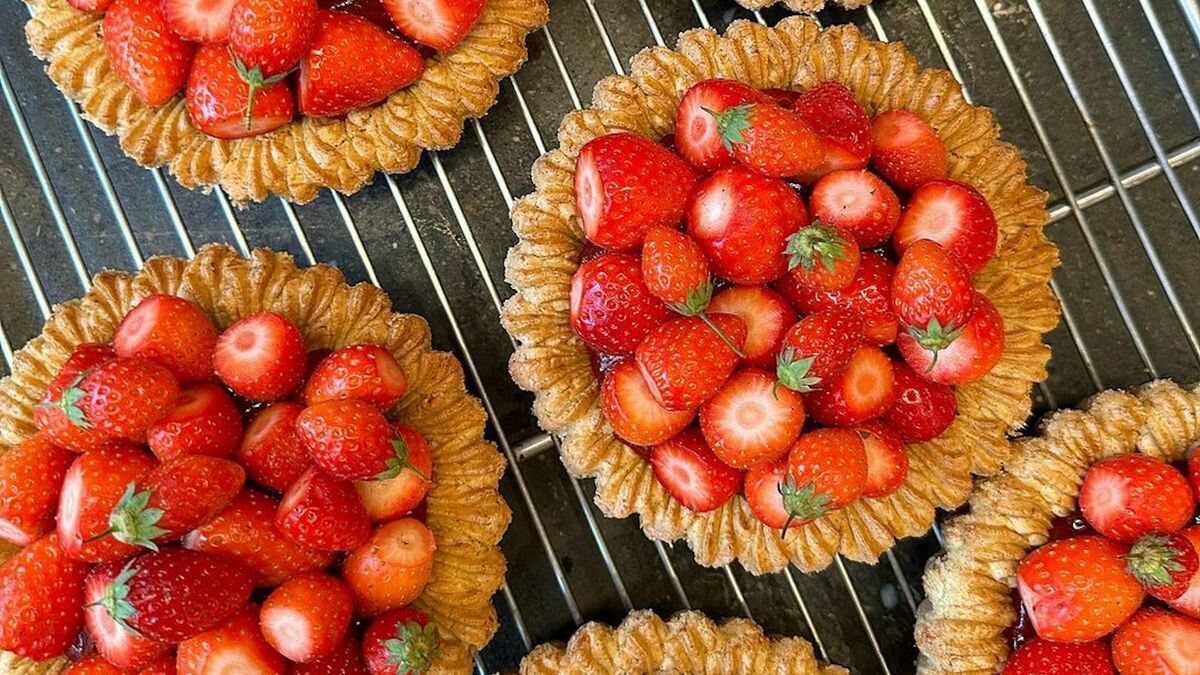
(282, 97)
(781, 292)
(237, 466)
(1081, 556)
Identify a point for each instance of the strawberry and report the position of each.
(887, 458)
(400, 642)
(440, 24)
(235, 647)
(822, 257)
(227, 101)
(631, 410)
(857, 203)
(1127, 496)
(954, 215)
(869, 296)
(120, 647)
(922, 409)
(41, 593)
(261, 357)
(347, 659)
(692, 473)
(163, 665)
(751, 420)
(365, 372)
(307, 617)
(245, 532)
(624, 185)
(1164, 564)
(271, 450)
(1046, 657)
(203, 21)
(765, 487)
(768, 139)
(827, 470)
(271, 36)
(120, 398)
(1194, 468)
(818, 348)
(92, 665)
(697, 138)
(352, 63)
(676, 271)
(352, 440)
(394, 497)
(784, 98)
(52, 419)
(172, 331)
(323, 513)
(204, 421)
(612, 309)
(1189, 601)
(97, 6)
(1158, 642)
(31, 476)
(906, 151)
(840, 123)
(932, 294)
(742, 221)
(150, 57)
(865, 390)
(94, 485)
(970, 357)
(767, 316)
(685, 361)
(392, 568)
(1077, 589)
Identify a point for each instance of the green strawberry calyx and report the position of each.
(731, 123)
(802, 504)
(413, 648)
(816, 243)
(1153, 559)
(133, 521)
(254, 79)
(935, 337)
(792, 372)
(115, 599)
(696, 300)
(68, 403)
(399, 462)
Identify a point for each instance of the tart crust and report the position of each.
(689, 644)
(804, 6)
(552, 362)
(310, 153)
(968, 607)
(465, 510)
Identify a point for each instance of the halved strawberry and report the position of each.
(954, 215)
(90, 5)
(869, 296)
(172, 331)
(323, 513)
(391, 498)
(234, 647)
(119, 646)
(392, 568)
(858, 203)
(865, 390)
(971, 355)
(827, 469)
(41, 595)
(697, 138)
(150, 57)
(751, 420)
(401, 641)
(1046, 657)
(887, 458)
(631, 410)
(119, 399)
(765, 487)
(227, 101)
(823, 258)
(685, 361)
(817, 349)
(1158, 642)
(1164, 564)
(31, 476)
(307, 617)
(92, 488)
(1127, 496)
(352, 440)
(692, 473)
(93, 664)
(271, 449)
(204, 421)
(612, 309)
(441, 24)
(769, 139)
(204, 21)
(767, 316)
(932, 295)
(906, 151)
(842, 125)
(1189, 601)
(922, 409)
(52, 419)
(365, 372)
(261, 357)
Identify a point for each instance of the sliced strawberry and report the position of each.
(392, 569)
(235, 647)
(204, 421)
(869, 295)
(822, 257)
(323, 513)
(441, 24)
(691, 472)
(92, 488)
(41, 595)
(204, 21)
(842, 125)
(858, 203)
(271, 449)
(150, 57)
(31, 476)
(172, 331)
(612, 309)
(400, 641)
(1189, 601)
(347, 659)
(120, 647)
(954, 215)
(752, 420)
(307, 617)
(227, 101)
(1046, 657)
(932, 295)
(864, 391)
(887, 458)
(817, 349)
(685, 361)
(697, 137)
(393, 497)
(630, 408)
(765, 488)
(261, 357)
(769, 139)
(1158, 642)
(922, 409)
(352, 440)
(271, 36)
(1164, 564)
(365, 372)
(971, 355)
(827, 470)
(1127, 496)
(906, 151)
(767, 316)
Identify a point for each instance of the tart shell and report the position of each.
(310, 153)
(552, 362)
(464, 508)
(804, 6)
(968, 589)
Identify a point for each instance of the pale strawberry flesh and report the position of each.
(204, 21)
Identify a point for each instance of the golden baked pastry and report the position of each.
(464, 509)
(552, 362)
(804, 6)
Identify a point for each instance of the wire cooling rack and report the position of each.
(1098, 94)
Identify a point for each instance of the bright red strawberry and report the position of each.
(394, 497)
(90, 5)
(271, 449)
(234, 647)
(204, 421)
(172, 331)
(1077, 589)
(822, 257)
(352, 440)
(869, 296)
(742, 221)
(120, 398)
(1158, 642)
(624, 185)
(365, 372)
(347, 659)
(245, 532)
(1194, 469)
(323, 513)
(92, 665)
(818, 348)
(203, 21)
(692, 473)
(352, 63)
(971, 355)
(932, 295)
(767, 316)
(752, 420)
(685, 361)
(41, 595)
(954, 215)
(271, 35)
(841, 124)
(1189, 601)
(906, 151)
(697, 137)
(400, 642)
(1164, 564)
(769, 140)
(857, 203)
(865, 390)
(922, 409)
(31, 476)
(223, 103)
(261, 357)
(631, 410)
(307, 617)
(887, 458)
(163, 665)
(1127, 496)
(676, 271)
(440, 24)
(92, 488)
(612, 309)
(392, 569)
(119, 646)
(827, 470)
(765, 487)
(150, 57)
(1046, 657)
(52, 419)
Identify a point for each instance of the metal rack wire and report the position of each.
(435, 239)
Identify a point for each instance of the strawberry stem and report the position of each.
(792, 371)
(731, 122)
(696, 300)
(722, 335)
(400, 462)
(413, 648)
(132, 521)
(254, 78)
(801, 503)
(1152, 559)
(935, 337)
(816, 242)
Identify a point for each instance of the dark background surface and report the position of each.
(435, 239)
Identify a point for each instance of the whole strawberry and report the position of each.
(270, 36)
(402, 641)
(31, 475)
(906, 151)
(171, 331)
(1164, 564)
(1157, 642)
(352, 440)
(96, 482)
(121, 398)
(817, 348)
(204, 421)
(226, 100)
(612, 309)
(1127, 496)
(676, 271)
(697, 136)
(685, 361)
(932, 294)
(323, 513)
(922, 410)
(869, 296)
(769, 139)
(841, 124)
(41, 599)
(52, 419)
(970, 357)
(822, 257)
(143, 50)
(365, 372)
(1046, 657)
(827, 470)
